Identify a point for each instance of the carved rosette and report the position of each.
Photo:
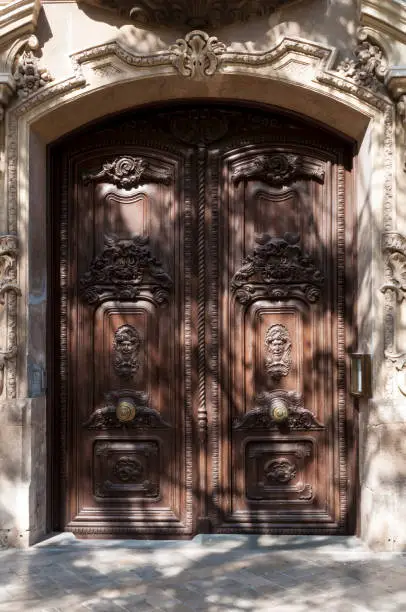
(127, 172)
(124, 269)
(277, 170)
(278, 346)
(269, 404)
(126, 347)
(277, 268)
(279, 471)
(144, 417)
(198, 55)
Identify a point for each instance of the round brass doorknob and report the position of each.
(125, 410)
(279, 410)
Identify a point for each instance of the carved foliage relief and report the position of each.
(144, 417)
(269, 405)
(122, 270)
(8, 284)
(368, 67)
(126, 348)
(277, 268)
(276, 170)
(127, 172)
(28, 75)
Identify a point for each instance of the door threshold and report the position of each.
(63, 540)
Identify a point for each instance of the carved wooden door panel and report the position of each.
(202, 286)
(280, 454)
(126, 287)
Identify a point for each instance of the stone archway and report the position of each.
(109, 79)
(160, 423)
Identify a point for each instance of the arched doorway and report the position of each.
(202, 283)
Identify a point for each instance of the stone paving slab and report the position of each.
(212, 573)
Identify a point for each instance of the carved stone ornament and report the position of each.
(123, 270)
(277, 268)
(127, 172)
(278, 346)
(144, 417)
(394, 289)
(8, 263)
(269, 404)
(28, 75)
(279, 471)
(276, 170)
(191, 13)
(369, 66)
(401, 111)
(197, 55)
(126, 347)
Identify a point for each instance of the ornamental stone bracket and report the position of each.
(18, 20)
(368, 66)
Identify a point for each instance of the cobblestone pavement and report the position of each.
(213, 573)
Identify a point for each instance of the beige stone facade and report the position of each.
(339, 62)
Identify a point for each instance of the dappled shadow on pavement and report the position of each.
(294, 574)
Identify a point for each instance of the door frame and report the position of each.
(55, 494)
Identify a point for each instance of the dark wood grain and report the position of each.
(202, 268)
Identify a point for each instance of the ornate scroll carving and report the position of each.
(369, 66)
(122, 270)
(277, 268)
(277, 170)
(278, 346)
(106, 416)
(280, 471)
(127, 172)
(28, 76)
(126, 347)
(8, 262)
(197, 55)
(262, 416)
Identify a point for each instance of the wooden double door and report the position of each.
(203, 275)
